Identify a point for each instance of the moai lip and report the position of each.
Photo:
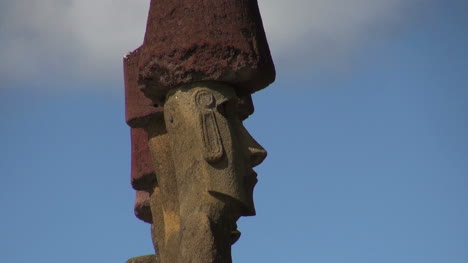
(190, 41)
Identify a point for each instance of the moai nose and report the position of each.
(255, 152)
(257, 155)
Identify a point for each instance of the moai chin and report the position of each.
(188, 89)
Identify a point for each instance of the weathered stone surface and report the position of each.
(207, 174)
(190, 41)
(143, 259)
(164, 200)
(138, 109)
(188, 89)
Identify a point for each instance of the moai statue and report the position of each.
(188, 89)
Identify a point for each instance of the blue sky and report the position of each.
(366, 128)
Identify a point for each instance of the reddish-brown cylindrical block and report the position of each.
(204, 40)
(138, 108)
(142, 174)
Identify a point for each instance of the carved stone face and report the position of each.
(213, 153)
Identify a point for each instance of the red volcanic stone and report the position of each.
(204, 40)
(142, 207)
(142, 175)
(138, 109)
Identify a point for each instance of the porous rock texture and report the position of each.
(190, 41)
(142, 171)
(139, 110)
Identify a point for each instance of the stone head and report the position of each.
(211, 149)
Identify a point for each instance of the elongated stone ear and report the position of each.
(212, 146)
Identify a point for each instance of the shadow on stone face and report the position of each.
(143, 259)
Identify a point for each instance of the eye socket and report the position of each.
(233, 109)
(223, 108)
(229, 109)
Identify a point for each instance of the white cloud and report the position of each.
(53, 40)
(326, 32)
